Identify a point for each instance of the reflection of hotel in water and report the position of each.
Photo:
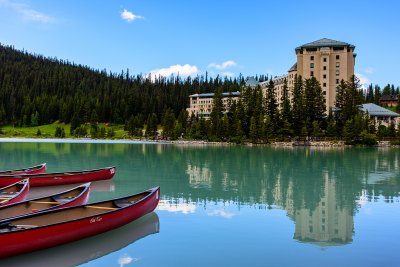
(326, 225)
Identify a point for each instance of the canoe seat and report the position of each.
(7, 194)
(6, 227)
(122, 203)
(61, 198)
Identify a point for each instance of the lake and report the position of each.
(232, 205)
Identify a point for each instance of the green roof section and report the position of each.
(325, 42)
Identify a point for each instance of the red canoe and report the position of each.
(14, 193)
(75, 196)
(31, 170)
(61, 178)
(51, 228)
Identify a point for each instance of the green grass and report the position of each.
(48, 131)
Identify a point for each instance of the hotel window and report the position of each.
(312, 65)
(337, 56)
(337, 64)
(324, 59)
(311, 73)
(312, 57)
(324, 67)
(337, 81)
(324, 76)
(324, 84)
(337, 73)
(324, 92)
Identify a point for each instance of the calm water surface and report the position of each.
(231, 206)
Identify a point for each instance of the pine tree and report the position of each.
(271, 105)
(298, 105)
(285, 104)
(331, 129)
(253, 129)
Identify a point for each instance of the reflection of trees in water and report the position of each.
(293, 178)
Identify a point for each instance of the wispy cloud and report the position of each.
(224, 65)
(364, 81)
(129, 16)
(185, 208)
(183, 71)
(125, 259)
(26, 12)
(369, 70)
(221, 213)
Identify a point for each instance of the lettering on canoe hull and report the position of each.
(112, 171)
(96, 219)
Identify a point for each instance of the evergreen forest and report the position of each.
(35, 90)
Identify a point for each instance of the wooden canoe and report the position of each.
(31, 170)
(60, 178)
(15, 192)
(46, 229)
(75, 196)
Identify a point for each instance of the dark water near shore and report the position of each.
(232, 206)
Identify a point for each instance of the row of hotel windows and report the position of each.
(337, 65)
(337, 57)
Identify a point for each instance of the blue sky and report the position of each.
(192, 37)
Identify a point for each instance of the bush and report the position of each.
(369, 139)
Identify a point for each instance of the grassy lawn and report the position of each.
(48, 131)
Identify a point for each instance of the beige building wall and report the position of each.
(202, 104)
(329, 62)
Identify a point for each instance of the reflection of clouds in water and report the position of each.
(185, 208)
(363, 199)
(125, 259)
(221, 213)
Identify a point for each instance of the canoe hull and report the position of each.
(21, 196)
(60, 179)
(48, 236)
(31, 170)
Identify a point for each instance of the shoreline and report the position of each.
(316, 144)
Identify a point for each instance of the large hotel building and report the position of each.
(327, 60)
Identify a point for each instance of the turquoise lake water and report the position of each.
(232, 205)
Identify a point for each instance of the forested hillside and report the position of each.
(37, 90)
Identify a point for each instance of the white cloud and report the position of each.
(221, 213)
(182, 207)
(26, 12)
(224, 65)
(183, 71)
(364, 81)
(228, 74)
(369, 70)
(129, 16)
(125, 259)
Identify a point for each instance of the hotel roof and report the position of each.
(324, 42)
(251, 82)
(375, 110)
(212, 94)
